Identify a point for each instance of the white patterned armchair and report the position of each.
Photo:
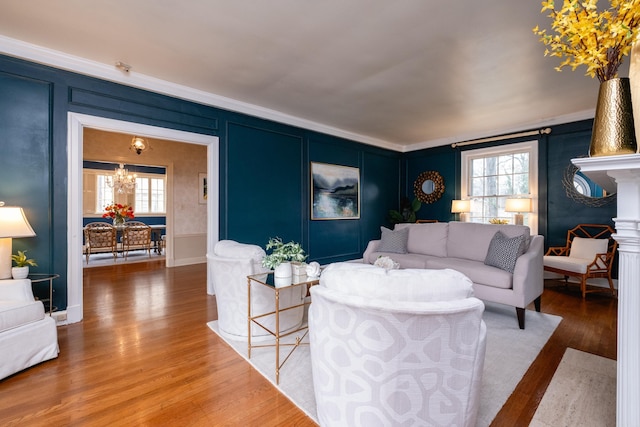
(230, 265)
(398, 347)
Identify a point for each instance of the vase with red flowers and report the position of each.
(119, 213)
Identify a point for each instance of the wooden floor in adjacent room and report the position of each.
(143, 355)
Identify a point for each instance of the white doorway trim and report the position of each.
(76, 124)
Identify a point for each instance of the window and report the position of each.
(150, 195)
(104, 193)
(491, 175)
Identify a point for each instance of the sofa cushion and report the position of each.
(586, 248)
(427, 239)
(469, 240)
(477, 271)
(393, 241)
(407, 260)
(14, 314)
(396, 285)
(504, 251)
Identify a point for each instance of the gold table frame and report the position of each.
(268, 280)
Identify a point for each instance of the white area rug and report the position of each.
(510, 352)
(582, 393)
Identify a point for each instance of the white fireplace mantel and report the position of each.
(621, 174)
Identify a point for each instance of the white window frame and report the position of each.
(124, 198)
(530, 147)
(150, 177)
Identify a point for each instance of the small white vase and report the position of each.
(20, 272)
(283, 270)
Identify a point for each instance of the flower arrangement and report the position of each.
(386, 263)
(585, 36)
(21, 259)
(282, 252)
(118, 212)
(498, 221)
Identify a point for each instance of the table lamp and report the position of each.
(518, 206)
(13, 223)
(461, 207)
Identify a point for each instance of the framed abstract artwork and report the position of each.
(202, 188)
(335, 192)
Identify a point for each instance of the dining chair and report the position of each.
(136, 236)
(100, 237)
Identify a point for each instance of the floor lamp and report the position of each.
(13, 223)
(461, 207)
(518, 206)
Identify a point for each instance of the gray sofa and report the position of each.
(468, 248)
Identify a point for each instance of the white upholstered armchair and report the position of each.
(27, 335)
(230, 264)
(386, 352)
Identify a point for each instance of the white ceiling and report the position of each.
(403, 75)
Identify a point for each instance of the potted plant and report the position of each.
(407, 212)
(21, 270)
(281, 256)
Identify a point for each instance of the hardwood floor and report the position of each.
(143, 355)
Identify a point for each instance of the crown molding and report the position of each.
(56, 59)
(543, 123)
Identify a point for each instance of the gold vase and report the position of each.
(613, 130)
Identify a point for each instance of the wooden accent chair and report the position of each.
(135, 236)
(588, 253)
(100, 237)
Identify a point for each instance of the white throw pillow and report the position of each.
(585, 248)
(412, 285)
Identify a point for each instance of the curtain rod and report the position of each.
(544, 131)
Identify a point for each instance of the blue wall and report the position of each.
(264, 166)
(557, 211)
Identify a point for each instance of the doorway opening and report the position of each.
(76, 124)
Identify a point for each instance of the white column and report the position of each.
(623, 172)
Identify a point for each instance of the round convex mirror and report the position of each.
(428, 187)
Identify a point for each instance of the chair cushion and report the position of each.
(233, 249)
(469, 240)
(566, 263)
(586, 248)
(17, 313)
(503, 251)
(413, 285)
(394, 241)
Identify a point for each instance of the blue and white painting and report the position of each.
(335, 192)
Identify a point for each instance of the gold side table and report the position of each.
(268, 280)
(43, 277)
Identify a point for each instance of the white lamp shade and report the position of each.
(13, 223)
(460, 206)
(518, 205)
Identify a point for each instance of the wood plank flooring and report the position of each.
(143, 355)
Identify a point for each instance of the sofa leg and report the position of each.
(536, 303)
(520, 313)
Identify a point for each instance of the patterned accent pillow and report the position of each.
(394, 241)
(504, 251)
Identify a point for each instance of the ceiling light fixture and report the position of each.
(139, 145)
(122, 181)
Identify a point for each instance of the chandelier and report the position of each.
(122, 181)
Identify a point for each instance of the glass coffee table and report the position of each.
(277, 285)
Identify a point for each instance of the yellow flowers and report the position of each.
(584, 36)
